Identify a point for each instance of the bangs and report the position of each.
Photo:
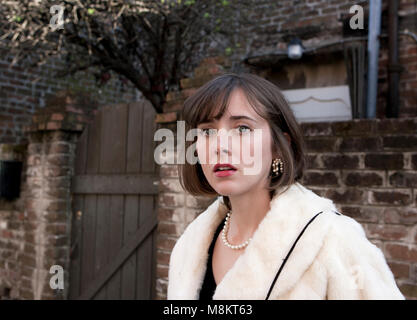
(214, 108)
(211, 100)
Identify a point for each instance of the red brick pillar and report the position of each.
(51, 151)
(177, 208)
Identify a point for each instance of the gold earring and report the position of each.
(277, 167)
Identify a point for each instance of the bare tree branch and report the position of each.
(148, 42)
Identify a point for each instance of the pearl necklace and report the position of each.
(224, 236)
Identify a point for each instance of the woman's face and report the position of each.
(232, 140)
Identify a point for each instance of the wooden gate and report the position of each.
(113, 205)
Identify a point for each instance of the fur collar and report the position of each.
(253, 272)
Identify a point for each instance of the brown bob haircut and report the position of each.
(211, 101)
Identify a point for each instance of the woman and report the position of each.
(266, 235)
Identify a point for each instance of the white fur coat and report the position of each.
(332, 260)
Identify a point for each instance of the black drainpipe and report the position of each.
(394, 68)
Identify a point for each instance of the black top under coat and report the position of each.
(209, 284)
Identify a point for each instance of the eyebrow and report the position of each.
(237, 117)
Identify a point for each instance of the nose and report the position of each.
(223, 141)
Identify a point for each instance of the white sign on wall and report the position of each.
(320, 104)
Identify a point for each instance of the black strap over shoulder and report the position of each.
(289, 253)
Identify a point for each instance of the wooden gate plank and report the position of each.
(144, 267)
(81, 153)
(116, 240)
(102, 235)
(134, 145)
(147, 207)
(145, 254)
(76, 246)
(128, 278)
(148, 143)
(115, 184)
(146, 228)
(114, 287)
(101, 295)
(130, 227)
(153, 269)
(88, 239)
(93, 151)
(113, 139)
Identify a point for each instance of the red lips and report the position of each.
(217, 166)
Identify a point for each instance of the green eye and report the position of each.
(246, 129)
(206, 132)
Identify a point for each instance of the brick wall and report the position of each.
(35, 228)
(367, 167)
(24, 91)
